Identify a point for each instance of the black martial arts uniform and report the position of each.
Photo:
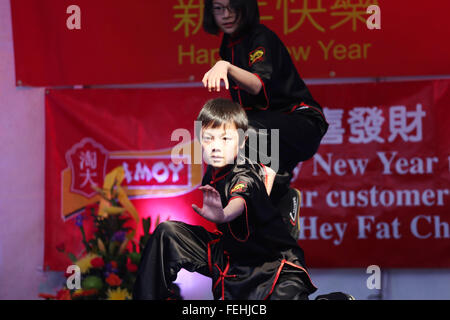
(252, 257)
(283, 103)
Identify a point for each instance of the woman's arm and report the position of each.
(244, 79)
(212, 206)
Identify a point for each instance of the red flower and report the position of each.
(67, 274)
(89, 207)
(131, 266)
(46, 296)
(98, 262)
(113, 280)
(89, 292)
(85, 293)
(113, 264)
(63, 294)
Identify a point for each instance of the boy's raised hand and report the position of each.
(212, 205)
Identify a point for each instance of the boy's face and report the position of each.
(220, 145)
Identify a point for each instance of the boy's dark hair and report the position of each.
(246, 10)
(217, 112)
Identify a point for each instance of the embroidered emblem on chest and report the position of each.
(241, 186)
(256, 55)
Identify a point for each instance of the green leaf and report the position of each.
(72, 257)
(146, 225)
(112, 248)
(135, 257)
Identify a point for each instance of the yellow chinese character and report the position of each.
(191, 17)
(351, 10)
(306, 13)
(262, 17)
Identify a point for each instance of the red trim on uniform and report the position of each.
(292, 222)
(215, 173)
(276, 279)
(246, 221)
(298, 106)
(318, 110)
(283, 262)
(236, 87)
(299, 267)
(209, 250)
(222, 275)
(232, 55)
(172, 292)
(265, 92)
(239, 95)
(235, 42)
(214, 180)
(293, 109)
(306, 105)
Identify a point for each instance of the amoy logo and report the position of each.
(147, 174)
(87, 163)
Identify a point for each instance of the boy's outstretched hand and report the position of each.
(212, 205)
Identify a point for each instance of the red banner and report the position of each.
(377, 192)
(104, 42)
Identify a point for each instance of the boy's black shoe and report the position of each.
(335, 296)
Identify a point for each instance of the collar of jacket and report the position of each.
(220, 173)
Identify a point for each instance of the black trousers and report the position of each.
(175, 245)
(299, 139)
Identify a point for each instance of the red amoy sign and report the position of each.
(376, 192)
(148, 174)
(157, 41)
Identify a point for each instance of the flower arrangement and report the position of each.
(111, 258)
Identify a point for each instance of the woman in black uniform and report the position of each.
(258, 70)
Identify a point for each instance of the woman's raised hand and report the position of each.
(215, 75)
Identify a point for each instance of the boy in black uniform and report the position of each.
(252, 256)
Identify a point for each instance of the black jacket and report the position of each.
(257, 243)
(262, 53)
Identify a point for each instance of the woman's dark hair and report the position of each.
(217, 112)
(246, 10)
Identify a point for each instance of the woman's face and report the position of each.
(227, 19)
